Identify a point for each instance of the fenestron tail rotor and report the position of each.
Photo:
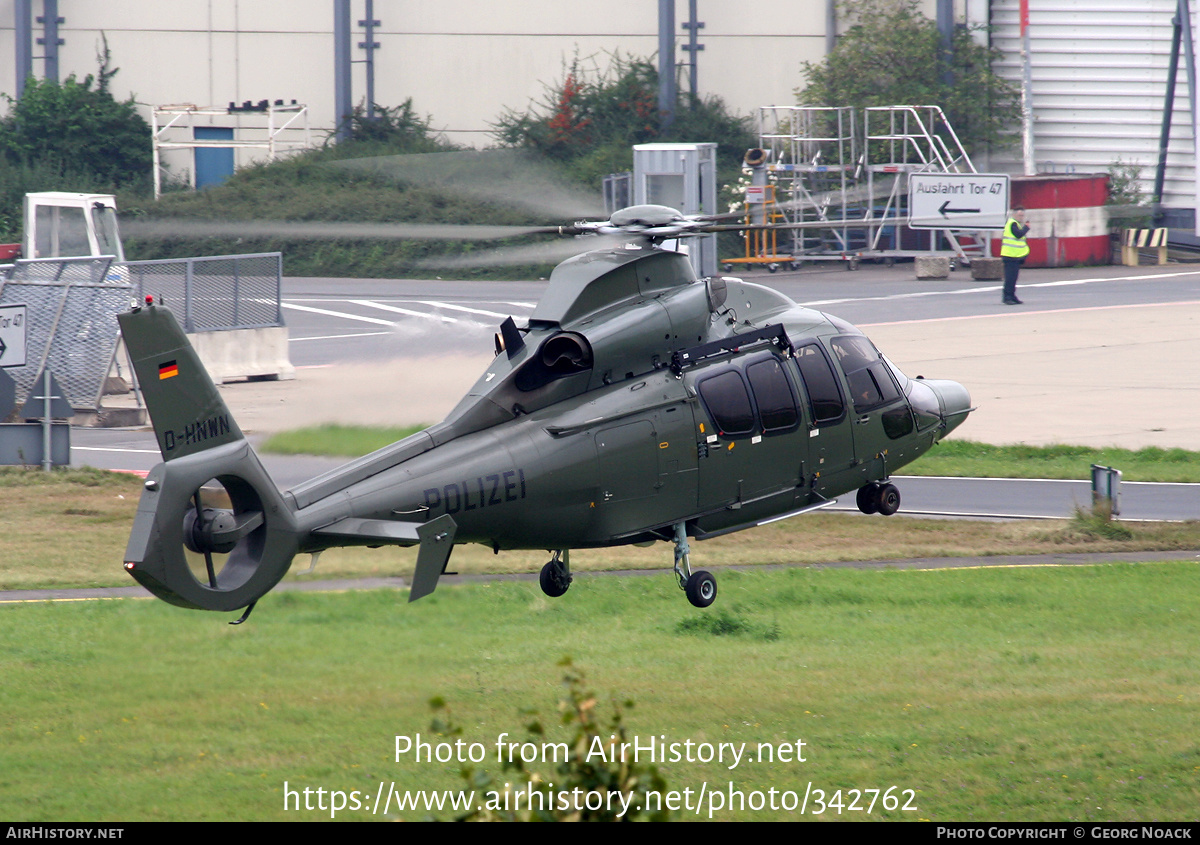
(210, 496)
(194, 540)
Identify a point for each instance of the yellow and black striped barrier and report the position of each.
(1135, 240)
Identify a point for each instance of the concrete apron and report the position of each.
(1121, 376)
(1112, 376)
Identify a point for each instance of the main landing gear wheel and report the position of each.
(878, 498)
(701, 588)
(556, 575)
(889, 499)
(868, 498)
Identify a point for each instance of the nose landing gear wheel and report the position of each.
(701, 588)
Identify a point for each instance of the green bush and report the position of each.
(78, 127)
(70, 136)
(391, 131)
(591, 119)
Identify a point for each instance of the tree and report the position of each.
(591, 119)
(390, 131)
(79, 127)
(890, 56)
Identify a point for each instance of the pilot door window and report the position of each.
(870, 382)
(824, 396)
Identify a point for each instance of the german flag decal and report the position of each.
(167, 369)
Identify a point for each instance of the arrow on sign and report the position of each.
(3, 347)
(946, 210)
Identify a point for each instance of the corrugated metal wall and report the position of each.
(1099, 74)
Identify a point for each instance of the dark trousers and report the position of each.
(1012, 267)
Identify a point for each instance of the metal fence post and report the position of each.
(187, 296)
(237, 294)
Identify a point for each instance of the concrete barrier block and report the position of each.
(244, 353)
(987, 269)
(932, 266)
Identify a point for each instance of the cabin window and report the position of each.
(727, 400)
(776, 404)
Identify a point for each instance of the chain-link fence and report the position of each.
(217, 293)
(71, 307)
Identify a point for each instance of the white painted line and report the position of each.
(112, 449)
(328, 313)
(991, 478)
(331, 300)
(960, 514)
(994, 288)
(1024, 313)
(340, 336)
(454, 307)
(1040, 480)
(366, 303)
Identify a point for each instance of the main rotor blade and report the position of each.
(161, 229)
(509, 177)
(546, 252)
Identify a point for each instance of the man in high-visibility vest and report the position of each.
(1013, 250)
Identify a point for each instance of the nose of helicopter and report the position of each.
(955, 402)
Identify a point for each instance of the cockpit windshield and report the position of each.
(921, 397)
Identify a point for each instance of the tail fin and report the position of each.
(247, 547)
(188, 413)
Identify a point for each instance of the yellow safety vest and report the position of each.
(1012, 246)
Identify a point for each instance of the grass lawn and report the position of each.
(69, 529)
(1055, 693)
(1000, 695)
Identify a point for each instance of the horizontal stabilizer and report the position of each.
(355, 531)
(436, 539)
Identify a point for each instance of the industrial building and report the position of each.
(1098, 69)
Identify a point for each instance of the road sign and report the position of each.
(12, 335)
(35, 405)
(957, 200)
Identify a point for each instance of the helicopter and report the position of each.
(638, 403)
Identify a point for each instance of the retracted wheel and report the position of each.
(868, 498)
(701, 588)
(889, 499)
(554, 579)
